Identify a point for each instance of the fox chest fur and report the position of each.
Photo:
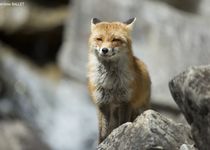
(119, 83)
(112, 81)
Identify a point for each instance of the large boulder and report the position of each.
(166, 39)
(59, 109)
(16, 135)
(185, 5)
(150, 131)
(191, 91)
(33, 27)
(204, 8)
(29, 17)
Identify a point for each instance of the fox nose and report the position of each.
(105, 50)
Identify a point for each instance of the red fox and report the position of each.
(118, 82)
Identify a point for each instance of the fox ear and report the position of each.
(94, 21)
(129, 23)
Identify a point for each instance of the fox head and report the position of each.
(110, 40)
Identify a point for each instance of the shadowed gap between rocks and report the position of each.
(41, 47)
(191, 6)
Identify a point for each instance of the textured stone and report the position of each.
(204, 8)
(30, 17)
(187, 147)
(34, 27)
(15, 135)
(185, 5)
(149, 131)
(59, 109)
(191, 91)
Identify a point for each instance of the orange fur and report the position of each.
(136, 77)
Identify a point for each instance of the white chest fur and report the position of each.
(112, 80)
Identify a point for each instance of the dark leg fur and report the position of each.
(104, 117)
(110, 117)
(124, 114)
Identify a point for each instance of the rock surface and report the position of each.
(191, 91)
(33, 27)
(204, 8)
(185, 5)
(30, 17)
(59, 109)
(187, 147)
(15, 135)
(163, 38)
(150, 131)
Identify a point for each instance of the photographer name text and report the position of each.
(12, 4)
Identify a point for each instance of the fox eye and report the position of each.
(116, 40)
(99, 39)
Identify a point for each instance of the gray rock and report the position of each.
(163, 38)
(7, 108)
(61, 110)
(204, 8)
(185, 5)
(29, 17)
(40, 27)
(187, 147)
(196, 7)
(150, 131)
(1, 88)
(191, 91)
(15, 135)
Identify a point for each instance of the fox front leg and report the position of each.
(104, 121)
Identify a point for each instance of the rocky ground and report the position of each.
(149, 131)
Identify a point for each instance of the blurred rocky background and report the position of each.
(44, 103)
